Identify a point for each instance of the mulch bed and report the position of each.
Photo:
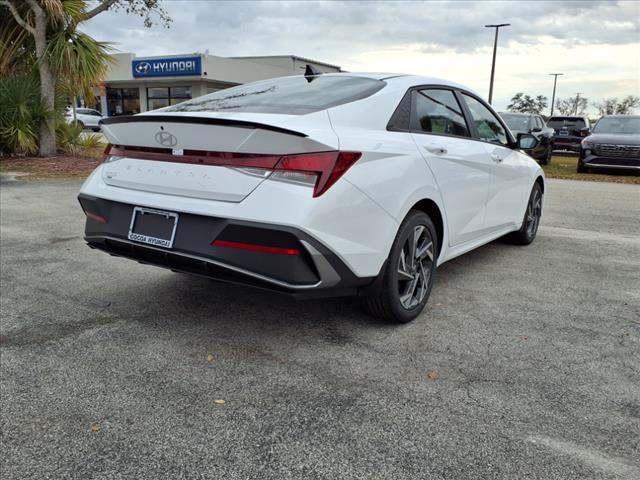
(61, 166)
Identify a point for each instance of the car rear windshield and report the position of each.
(628, 125)
(288, 95)
(571, 123)
(516, 123)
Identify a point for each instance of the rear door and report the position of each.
(460, 165)
(509, 172)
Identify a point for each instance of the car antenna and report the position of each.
(310, 73)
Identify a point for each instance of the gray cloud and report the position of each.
(338, 32)
(322, 28)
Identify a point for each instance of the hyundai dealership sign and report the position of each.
(167, 67)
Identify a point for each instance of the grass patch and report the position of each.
(565, 167)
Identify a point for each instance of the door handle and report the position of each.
(496, 158)
(436, 150)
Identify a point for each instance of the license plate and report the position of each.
(564, 132)
(153, 227)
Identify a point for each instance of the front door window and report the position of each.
(487, 124)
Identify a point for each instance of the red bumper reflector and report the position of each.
(95, 217)
(255, 248)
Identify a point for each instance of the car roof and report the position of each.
(404, 80)
(576, 117)
(620, 116)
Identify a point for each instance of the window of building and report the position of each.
(438, 111)
(487, 124)
(158, 97)
(123, 101)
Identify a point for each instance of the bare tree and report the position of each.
(571, 106)
(611, 106)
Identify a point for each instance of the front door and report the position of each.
(509, 169)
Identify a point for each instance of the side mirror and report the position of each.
(526, 141)
(585, 132)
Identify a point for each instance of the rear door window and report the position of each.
(288, 95)
(437, 111)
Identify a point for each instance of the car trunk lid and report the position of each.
(207, 156)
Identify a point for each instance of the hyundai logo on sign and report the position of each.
(143, 68)
(167, 67)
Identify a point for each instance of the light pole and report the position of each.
(553, 97)
(493, 64)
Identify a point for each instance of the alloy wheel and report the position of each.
(414, 267)
(534, 211)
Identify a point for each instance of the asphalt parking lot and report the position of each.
(526, 363)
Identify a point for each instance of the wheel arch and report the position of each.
(540, 181)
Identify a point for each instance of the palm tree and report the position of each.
(63, 54)
(65, 57)
(16, 45)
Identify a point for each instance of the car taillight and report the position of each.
(327, 166)
(319, 170)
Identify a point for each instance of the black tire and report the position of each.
(547, 158)
(581, 168)
(531, 220)
(386, 302)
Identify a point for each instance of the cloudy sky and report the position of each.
(596, 44)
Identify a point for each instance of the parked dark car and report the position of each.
(614, 143)
(569, 131)
(535, 125)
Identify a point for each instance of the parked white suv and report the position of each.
(85, 117)
(330, 184)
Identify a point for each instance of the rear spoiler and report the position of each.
(198, 120)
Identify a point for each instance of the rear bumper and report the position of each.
(567, 143)
(314, 271)
(622, 163)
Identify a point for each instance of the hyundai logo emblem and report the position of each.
(143, 67)
(166, 139)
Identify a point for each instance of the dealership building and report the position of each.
(138, 84)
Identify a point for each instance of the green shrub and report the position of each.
(68, 136)
(72, 140)
(22, 110)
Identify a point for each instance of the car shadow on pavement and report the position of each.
(178, 300)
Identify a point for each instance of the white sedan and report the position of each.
(316, 185)
(85, 117)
